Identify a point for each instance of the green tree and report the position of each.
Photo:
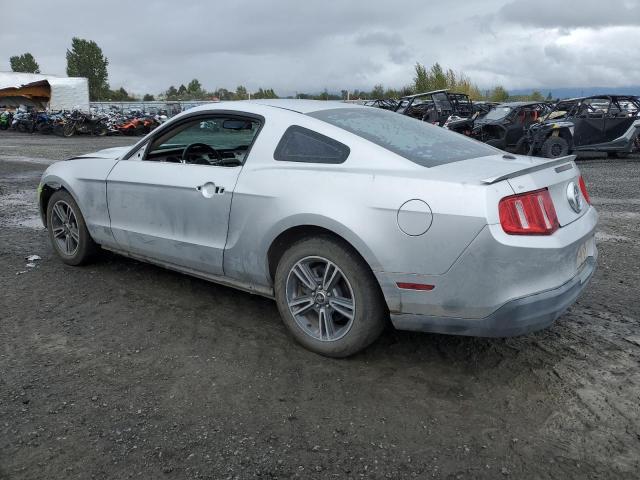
(421, 80)
(499, 94)
(224, 94)
(182, 91)
(171, 93)
(536, 96)
(85, 59)
(195, 90)
(24, 63)
(377, 92)
(241, 93)
(120, 95)
(148, 97)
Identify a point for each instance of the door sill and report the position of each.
(219, 279)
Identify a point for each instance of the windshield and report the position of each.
(420, 142)
(498, 113)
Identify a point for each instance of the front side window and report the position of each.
(299, 144)
(215, 140)
(420, 142)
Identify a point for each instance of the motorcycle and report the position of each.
(81, 123)
(6, 118)
(23, 122)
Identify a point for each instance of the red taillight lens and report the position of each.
(583, 189)
(530, 213)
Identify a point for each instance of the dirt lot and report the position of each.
(122, 369)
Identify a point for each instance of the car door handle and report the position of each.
(210, 189)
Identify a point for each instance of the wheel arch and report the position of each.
(46, 190)
(294, 233)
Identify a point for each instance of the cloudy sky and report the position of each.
(308, 45)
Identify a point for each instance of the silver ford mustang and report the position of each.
(345, 215)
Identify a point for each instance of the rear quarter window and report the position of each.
(299, 144)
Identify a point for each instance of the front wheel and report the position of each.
(328, 297)
(554, 147)
(68, 129)
(68, 231)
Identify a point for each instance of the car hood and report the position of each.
(113, 153)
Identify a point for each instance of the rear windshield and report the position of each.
(418, 141)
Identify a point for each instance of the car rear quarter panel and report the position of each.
(357, 200)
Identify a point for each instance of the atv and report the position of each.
(601, 123)
(505, 127)
(436, 107)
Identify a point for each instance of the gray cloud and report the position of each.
(295, 46)
(577, 13)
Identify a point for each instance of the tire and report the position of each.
(522, 146)
(100, 131)
(68, 129)
(618, 154)
(554, 147)
(355, 281)
(496, 142)
(85, 247)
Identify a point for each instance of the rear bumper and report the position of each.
(516, 317)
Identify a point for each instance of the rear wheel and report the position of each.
(522, 146)
(618, 154)
(328, 298)
(554, 147)
(68, 231)
(68, 129)
(496, 142)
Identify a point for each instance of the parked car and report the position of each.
(603, 123)
(506, 125)
(346, 215)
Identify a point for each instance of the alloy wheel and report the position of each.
(64, 227)
(320, 298)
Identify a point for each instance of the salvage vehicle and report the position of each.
(602, 123)
(435, 107)
(384, 103)
(506, 125)
(346, 215)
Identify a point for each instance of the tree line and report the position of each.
(85, 59)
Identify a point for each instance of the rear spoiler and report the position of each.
(534, 168)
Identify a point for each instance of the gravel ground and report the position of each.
(121, 369)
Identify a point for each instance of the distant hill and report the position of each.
(570, 92)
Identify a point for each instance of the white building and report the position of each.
(44, 91)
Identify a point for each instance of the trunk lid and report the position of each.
(523, 174)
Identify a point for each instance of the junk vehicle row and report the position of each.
(68, 124)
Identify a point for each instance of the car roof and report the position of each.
(518, 104)
(291, 104)
(428, 93)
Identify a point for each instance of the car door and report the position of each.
(620, 117)
(589, 122)
(175, 210)
(514, 127)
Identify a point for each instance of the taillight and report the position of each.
(583, 189)
(530, 213)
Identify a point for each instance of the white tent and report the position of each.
(44, 91)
